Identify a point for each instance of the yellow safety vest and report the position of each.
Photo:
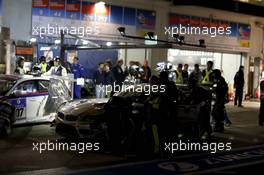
(43, 67)
(179, 78)
(206, 78)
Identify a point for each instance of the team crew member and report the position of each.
(195, 77)
(43, 65)
(57, 69)
(20, 66)
(218, 112)
(78, 72)
(207, 74)
(179, 76)
(185, 73)
(239, 85)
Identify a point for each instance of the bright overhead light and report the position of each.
(99, 8)
(57, 41)
(109, 44)
(85, 42)
(33, 40)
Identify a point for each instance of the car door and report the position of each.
(28, 100)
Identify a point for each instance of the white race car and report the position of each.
(30, 99)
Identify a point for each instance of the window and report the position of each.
(43, 86)
(27, 87)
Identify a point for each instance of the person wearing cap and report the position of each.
(78, 72)
(239, 82)
(57, 69)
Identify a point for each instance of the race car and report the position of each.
(82, 118)
(30, 99)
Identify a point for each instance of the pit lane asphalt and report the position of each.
(17, 155)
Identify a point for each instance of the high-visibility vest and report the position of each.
(206, 78)
(43, 67)
(179, 78)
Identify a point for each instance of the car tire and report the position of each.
(5, 128)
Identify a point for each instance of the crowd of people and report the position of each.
(104, 76)
(107, 75)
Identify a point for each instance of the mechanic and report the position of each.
(207, 74)
(185, 73)
(57, 69)
(109, 80)
(221, 91)
(78, 72)
(261, 110)
(43, 64)
(179, 76)
(195, 77)
(20, 66)
(239, 86)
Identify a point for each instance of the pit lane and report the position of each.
(17, 155)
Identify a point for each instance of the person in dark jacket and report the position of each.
(108, 80)
(185, 73)
(220, 90)
(147, 72)
(119, 74)
(99, 79)
(239, 86)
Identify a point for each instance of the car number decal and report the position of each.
(20, 104)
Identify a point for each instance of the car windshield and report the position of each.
(6, 85)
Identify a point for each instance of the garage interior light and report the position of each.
(33, 40)
(108, 44)
(99, 8)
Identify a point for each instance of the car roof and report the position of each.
(9, 77)
(21, 77)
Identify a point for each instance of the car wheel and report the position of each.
(5, 128)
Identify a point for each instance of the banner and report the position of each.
(116, 14)
(146, 19)
(57, 8)
(40, 7)
(87, 13)
(216, 33)
(73, 9)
